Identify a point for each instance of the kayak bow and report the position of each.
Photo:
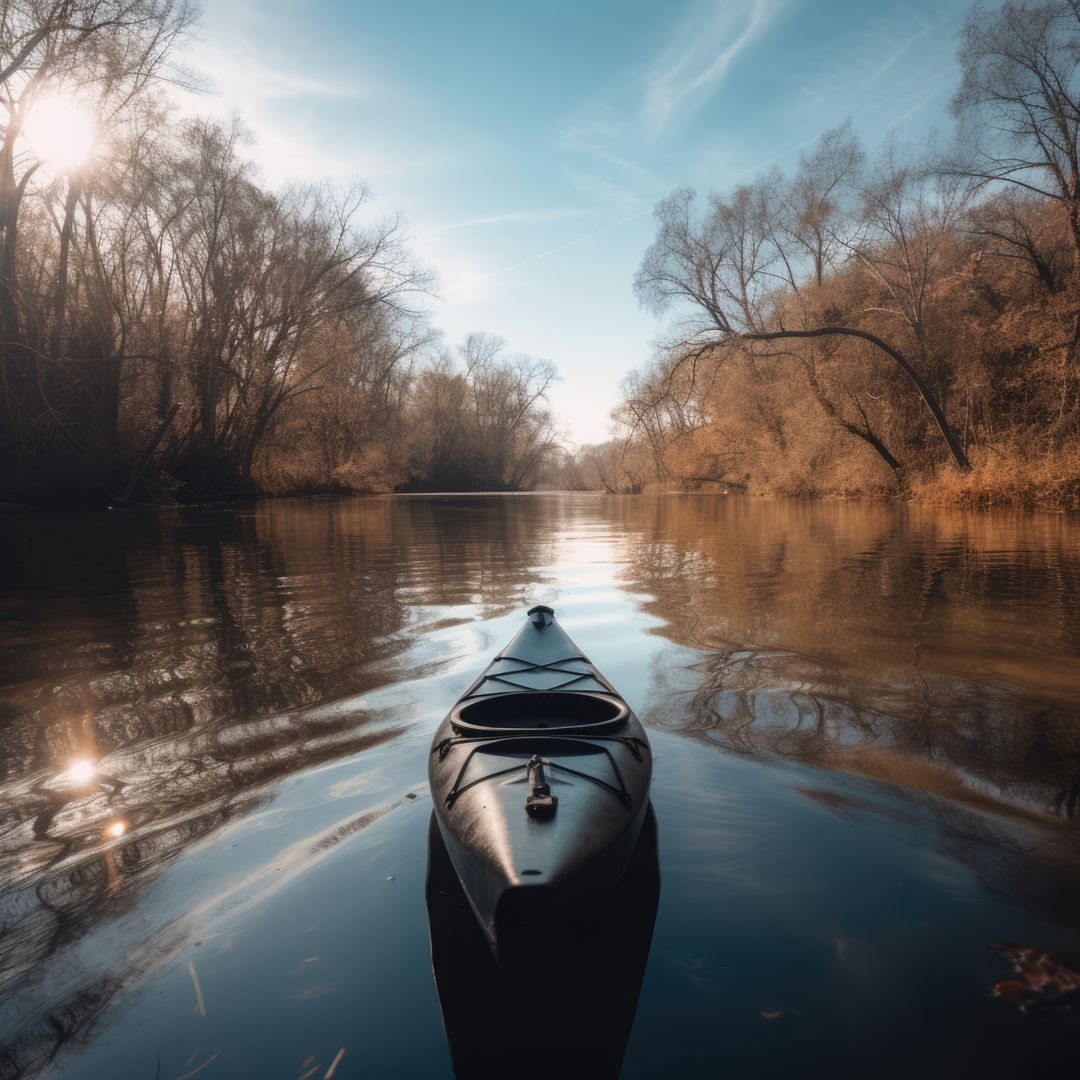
(540, 780)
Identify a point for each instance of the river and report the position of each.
(214, 729)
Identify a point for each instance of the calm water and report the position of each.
(867, 738)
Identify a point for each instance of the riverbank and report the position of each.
(997, 480)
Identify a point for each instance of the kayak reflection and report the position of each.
(561, 999)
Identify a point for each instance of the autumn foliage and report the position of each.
(908, 325)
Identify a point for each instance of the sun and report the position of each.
(61, 134)
(82, 772)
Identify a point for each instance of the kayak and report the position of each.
(540, 780)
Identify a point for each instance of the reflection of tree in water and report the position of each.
(962, 739)
(194, 658)
(938, 649)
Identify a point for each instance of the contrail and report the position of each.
(570, 243)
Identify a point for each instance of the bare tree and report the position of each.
(1021, 100)
(820, 202)
(104, 54)
(732, 267)
(1014, 224)
(482, 424)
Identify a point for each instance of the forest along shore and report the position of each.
(904, 324)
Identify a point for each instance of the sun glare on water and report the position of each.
(60, 133)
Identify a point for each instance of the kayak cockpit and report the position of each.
(563, 712)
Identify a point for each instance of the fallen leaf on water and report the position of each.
(200, 1002)
(334, 1064)
(1044, 983)
(310, 990)
(199, 1068)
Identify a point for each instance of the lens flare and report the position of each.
(61, 134)
(116, 829)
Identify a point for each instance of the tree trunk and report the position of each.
(921, 385)
(9, 212)
(872, 440)
(148, 453)
(60, 297)
(865, 433)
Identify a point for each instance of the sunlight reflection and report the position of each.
(116, 829)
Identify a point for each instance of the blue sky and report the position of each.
(525, 145)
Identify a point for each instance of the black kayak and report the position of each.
(540, 782)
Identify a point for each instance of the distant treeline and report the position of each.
(904, 325)
(171, 328)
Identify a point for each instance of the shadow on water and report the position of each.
(561, 1005)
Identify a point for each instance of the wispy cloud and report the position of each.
(600, 189)
(930, 88)
(238, 73)
(461, 281)
(255, 79)
(628, 166)
(513, 217)
(463, 284)
(887, 52)
(880, 70)
(702, 49)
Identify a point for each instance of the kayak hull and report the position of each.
(583, 975)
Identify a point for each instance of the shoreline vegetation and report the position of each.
(902, 325)
(905, 325)
(977, 497)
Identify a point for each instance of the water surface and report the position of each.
(867, 750)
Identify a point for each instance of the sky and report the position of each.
(525, 145)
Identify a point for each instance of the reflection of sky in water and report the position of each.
(260, 691)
